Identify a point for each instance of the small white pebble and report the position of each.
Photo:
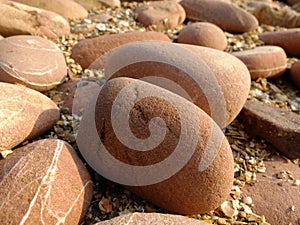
(247, 200)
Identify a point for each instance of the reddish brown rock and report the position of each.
(44, 183)
(264, 61)
(289, 40)
(17, 19)
(66, 8)
(275, 14)
(278, 126)
(31, 61)
(203, 34)
(226, 15)
(76, 94)
(24, 114)
(164, 14)
(295, 73)
(215, 81)
(274, 194)
(151, 218)
(88, 50)
(154, 164)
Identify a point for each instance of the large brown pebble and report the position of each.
(44, 183)
(276, 125)
(174, 155)
(277, 199)
(17, 19)
(90, 4)
(88, 50)
(69, 9)
(289, 40)
(31, 61)
(203, 34)
(215, 81)
(150, 219)
(24, 114)
(163, 14)
(226, 15)
(264, 61)
(295, 73)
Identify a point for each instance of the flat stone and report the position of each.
(275, 14)
(228, 16)
(44, 182)
(69, 9)
(288, 39)
(31, 61)
(295, 73)
(151, 218)
(203, 34)
(164, 14)
(24, 114)
(264, 61)
(154, 164)
(87, 51)
(90, 4)
(277, 199)
(18, 19)
(278, 126)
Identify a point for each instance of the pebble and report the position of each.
(295, 73)
(203, 34)
(31, 20)
(69, 9)
(276, 125)
(24, 114)
(228, 16)
(44, 182)
(275, 14)
(264, 61)
(199, 186)
(188, 70)
(288, 39)
(163, 14)
(277, 199)
(88, 50)
(31, 61)
(151, 218)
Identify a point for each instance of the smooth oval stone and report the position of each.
(157, 144)
(31, 61)
(151, 218)
(18, 19)
(215, 81)
(203, 34)
(44, 183)
(164, 14)
(24, 114)
(69, 9)
(87, 51)
(277, 199)
(289, 40)
(264, 61)
(295, 73)
(226, 15)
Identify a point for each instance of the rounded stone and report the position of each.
(264, 61)
(31, 61)
(203, 34)
(288, 39)
(163, 14)
(215, 81)
(158, 145)
(44, 183)
(24, 114)
(87, 51)
(295, 73)
(226, 15)
(151, 218)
